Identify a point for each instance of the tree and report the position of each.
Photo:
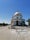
(23, 23)
(28, 21)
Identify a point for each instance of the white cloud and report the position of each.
(5, 21)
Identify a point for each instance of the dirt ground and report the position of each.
(12, 34)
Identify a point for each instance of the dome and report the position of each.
(17, 16)
(17, 13)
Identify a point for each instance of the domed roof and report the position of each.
(17, 13)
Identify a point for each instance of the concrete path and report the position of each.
(11, 34)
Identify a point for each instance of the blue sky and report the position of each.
(9, 7)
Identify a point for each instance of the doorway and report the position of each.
(17, 23)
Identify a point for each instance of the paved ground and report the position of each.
(11, 34)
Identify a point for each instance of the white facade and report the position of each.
(26, 23)
(17, 17)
